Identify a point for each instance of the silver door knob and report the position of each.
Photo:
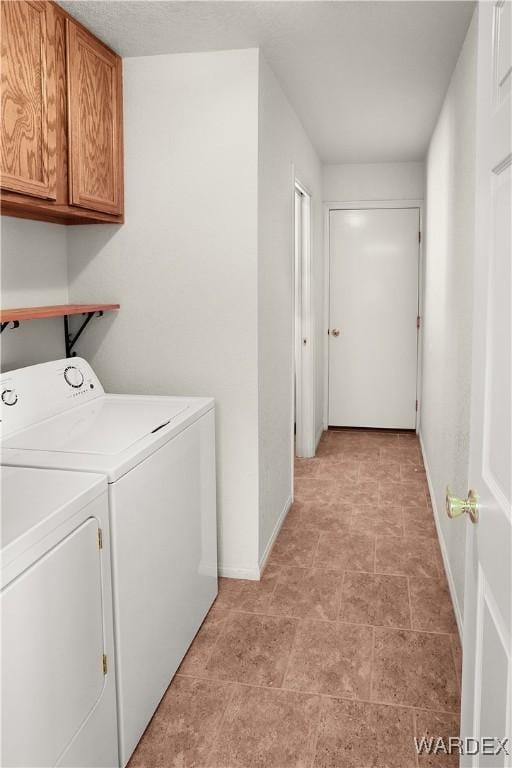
(335, 332)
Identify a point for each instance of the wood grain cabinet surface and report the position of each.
(94, 122)
(61, 131)
(28, 98)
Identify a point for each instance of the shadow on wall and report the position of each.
(35, 270)
(98, 237)
(79, 261)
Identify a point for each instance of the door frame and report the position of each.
(303, 413)
(344, 205)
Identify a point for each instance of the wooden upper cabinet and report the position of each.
(28, 99)
(95, 143)
(61, 130)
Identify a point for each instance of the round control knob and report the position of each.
(74, 376)
(9, 397)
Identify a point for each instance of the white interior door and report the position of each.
(298, 321)
(373, 336)
(303, 338)
(487, 666)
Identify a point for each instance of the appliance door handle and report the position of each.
(161, 426)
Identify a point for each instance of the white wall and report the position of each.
(445, 400)
(34, 272)
(184, 265)
(202, 268)
(374, 181)
(284, 148)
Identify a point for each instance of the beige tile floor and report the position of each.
(345, 650)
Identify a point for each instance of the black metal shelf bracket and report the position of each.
(71, 339)
(15, 324)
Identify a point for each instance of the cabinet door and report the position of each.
(28, 102)
(95, 167)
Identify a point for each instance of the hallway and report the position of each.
(345, 650)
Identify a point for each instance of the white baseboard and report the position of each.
(273, 537)
(319, 436)
(444, 553)
(253, 574)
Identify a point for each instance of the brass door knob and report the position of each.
(456, 507)
(335, 332)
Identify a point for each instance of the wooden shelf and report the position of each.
(56, 310)
(15, 316)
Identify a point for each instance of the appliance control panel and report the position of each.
(73, 376)
(9, 397)
(29, 395)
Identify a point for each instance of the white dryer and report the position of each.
(57, 657)
(158, 454)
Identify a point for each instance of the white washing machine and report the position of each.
(57, 657)
(158, 454)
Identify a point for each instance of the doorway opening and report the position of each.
(303, 438)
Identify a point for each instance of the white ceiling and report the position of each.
(367, 79)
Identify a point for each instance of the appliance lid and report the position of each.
(107, 426)
(31, 496)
